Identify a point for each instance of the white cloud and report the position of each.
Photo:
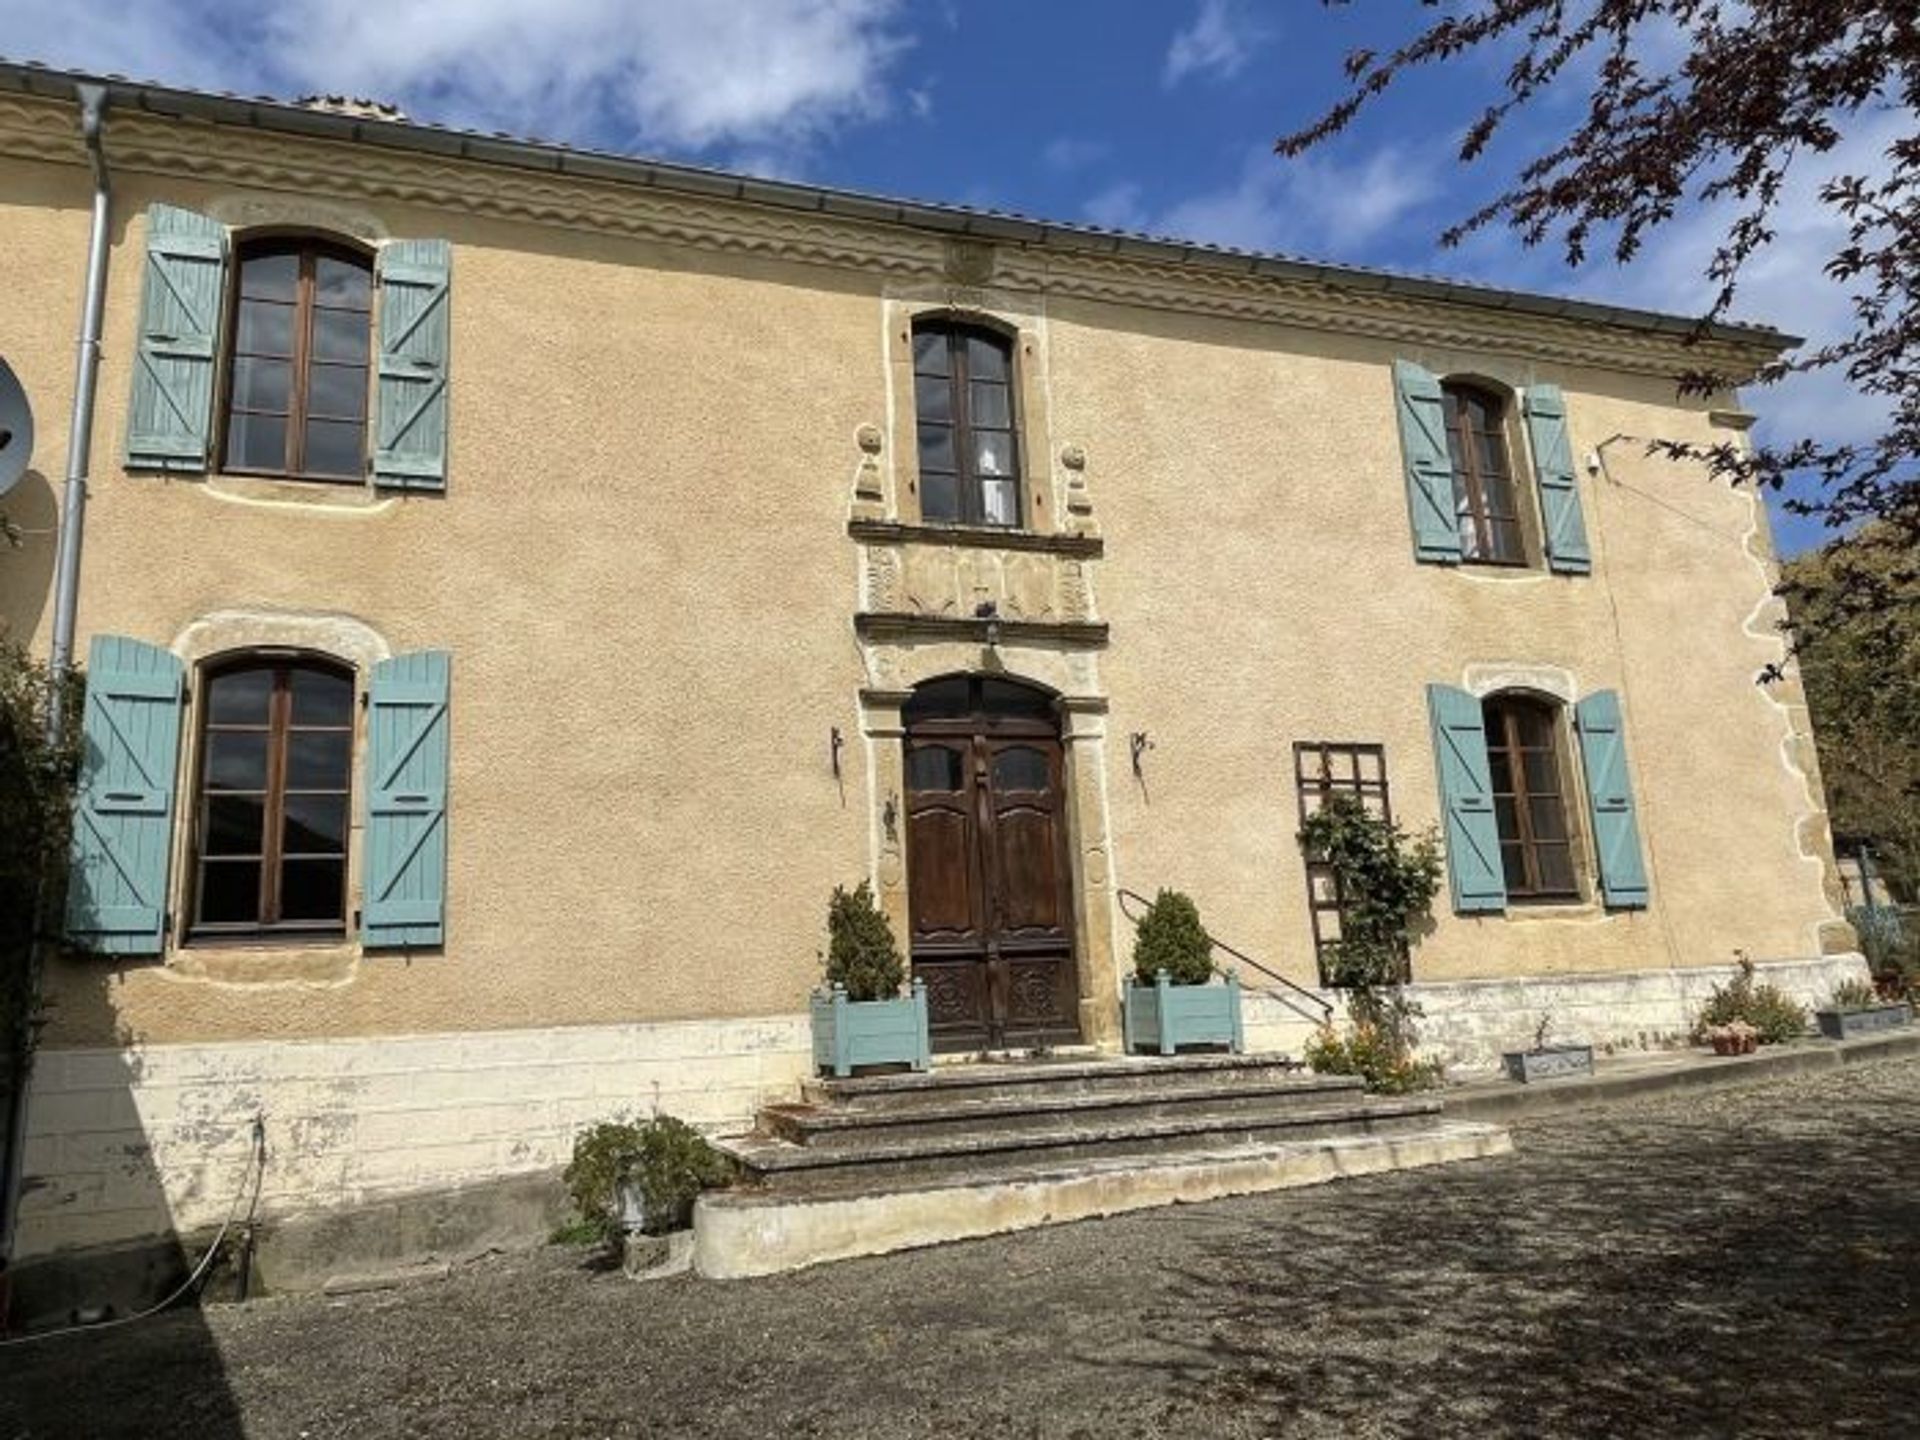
(1222, 38)
(767, 74)
(1328, 208)
(1068, 152)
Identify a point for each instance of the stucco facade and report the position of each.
(679, 550)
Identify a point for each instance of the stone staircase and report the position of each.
(875, 1163)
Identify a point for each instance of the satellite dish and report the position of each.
(16, 430)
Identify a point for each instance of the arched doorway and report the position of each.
(989, 897)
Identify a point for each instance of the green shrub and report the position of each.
(861, 953)
(1171, 938)
(1854, 995)
(1891, 943)
(1376, 1053)
(665, 1158)
(1774, 1015)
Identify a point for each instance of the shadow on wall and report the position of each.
(26, 571)
(90, 1180)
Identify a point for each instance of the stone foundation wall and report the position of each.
(156, 1139)
(1468, 1023)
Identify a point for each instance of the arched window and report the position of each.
(1483, 489)
(276, 760)
(299, 359)
(1529, 797)
(963, 405)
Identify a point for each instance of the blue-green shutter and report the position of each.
(123, 811)
(1561, 523)
(1472, 835)
(170, 413)
(410, 419)
(1616, 829)
(1429, 470)
(405, 891)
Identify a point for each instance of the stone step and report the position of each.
(878, 1161)
(1029, 1109)
(1000, 1079)
(763, 1231)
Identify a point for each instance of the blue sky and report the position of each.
(1156, 116)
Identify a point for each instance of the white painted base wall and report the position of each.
(138, 1142)
(1468, 1023)
(130, 1143)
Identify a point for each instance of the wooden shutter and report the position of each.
(170, 414)
(410, 431)
(123, 812)
(404, 893)
(1561, 523)
(1472, 835)
(1616, 829)
(1423, 448)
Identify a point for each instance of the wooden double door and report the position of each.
(988, 888)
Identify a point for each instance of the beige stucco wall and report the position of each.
(642, 570)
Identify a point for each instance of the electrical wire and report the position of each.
(257, 1164)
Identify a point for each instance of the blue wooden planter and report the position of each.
(847, 1032)
(1164, 1017)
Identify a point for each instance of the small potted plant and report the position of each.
(1857, 1009)
(633, 1185)
(1170, 1004)
(1547, 1062)
(1736, 1037)
(861, 1019)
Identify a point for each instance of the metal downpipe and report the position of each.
(92, 99)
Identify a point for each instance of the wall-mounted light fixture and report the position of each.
(833, 750)
(1139, 743)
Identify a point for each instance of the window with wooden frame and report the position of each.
(1322, 769)
(273, 791)
(964, 414)
(1528, 769)
(1485, 499)
(299, 354)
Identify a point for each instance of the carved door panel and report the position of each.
(987, 884)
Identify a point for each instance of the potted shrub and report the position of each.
(861, 1019)
(1773, 1015)
(1170, 1004)
(633, 1185)
(1857, 1009)
(1547, 1062)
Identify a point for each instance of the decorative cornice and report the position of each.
(888, 532)
(898, 625)
(476, 184)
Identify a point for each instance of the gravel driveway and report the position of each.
(1735, 1263)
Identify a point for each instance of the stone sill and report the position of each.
(890, 532)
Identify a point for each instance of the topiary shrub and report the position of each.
(1171, 938)
(1775, 1015)
(861, 953)
(665, 1159)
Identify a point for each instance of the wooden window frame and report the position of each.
(970, 485)
(1315, 781)
(1505, 708)
(273, 856)
(308, 250)
(1479, 487)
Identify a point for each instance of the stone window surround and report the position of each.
(219, 635)
(894, 668)
(1043, 510)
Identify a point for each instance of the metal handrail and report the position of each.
(1325, 1009)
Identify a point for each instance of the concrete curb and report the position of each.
(738, 1234)
(1504, 1101)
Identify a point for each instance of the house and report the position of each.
(519, 583)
